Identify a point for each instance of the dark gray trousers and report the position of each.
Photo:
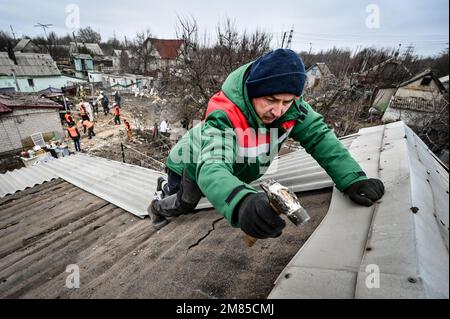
(182, 202)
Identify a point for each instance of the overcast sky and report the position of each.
(318, 24)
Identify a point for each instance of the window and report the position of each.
(30, 82)
(426, 80)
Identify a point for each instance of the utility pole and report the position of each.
(282, 42)
(310, 48)
(288, 46)
(75, 40)
(44, 27)
(12, 30)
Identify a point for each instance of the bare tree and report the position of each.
(124, 62)
(88, 35)
(204, 67)
(141, 52)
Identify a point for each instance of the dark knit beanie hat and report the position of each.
(279, 71)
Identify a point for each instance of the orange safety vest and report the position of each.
(117, 111)
(68, 118)
(73, 131)
(88, 124)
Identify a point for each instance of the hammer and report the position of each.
(284, 202)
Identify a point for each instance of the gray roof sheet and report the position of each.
(51, 226)
(409, 247)
(127, 186)
(296, 170)
(28, 64)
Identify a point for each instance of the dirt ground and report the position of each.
(142, 149)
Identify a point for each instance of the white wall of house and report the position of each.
(35, 84)
(21, 123)
(312, 76)
(414, 89)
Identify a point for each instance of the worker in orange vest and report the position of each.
(128, 127)
(83, 112)
(68, 117)
(75, 135)
(90, 128)
(116, 114)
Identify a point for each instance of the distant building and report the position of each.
(416, 100)
(83, 64)
(22, 115)
(116, 56)
(125, 83)
(100, 61)
(31, 72)
(27, 46)
(164, 53)
(317, 76)
(88, 48)
(388, 73)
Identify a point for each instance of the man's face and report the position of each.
(269, 108)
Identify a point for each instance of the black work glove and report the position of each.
(258, 219)
(365, 192)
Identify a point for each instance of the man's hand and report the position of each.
(258, 219)
(365, 192)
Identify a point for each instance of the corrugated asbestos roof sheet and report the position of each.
(296, 170)
(53, 226)
(28, 64)
(399, 246)
(126, 186)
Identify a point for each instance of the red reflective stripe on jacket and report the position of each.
(288, 125)
(246, 136)
(73, 131)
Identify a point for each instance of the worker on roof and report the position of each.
(259, 106)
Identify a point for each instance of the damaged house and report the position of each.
(100, 61)
(22, 115)
(318, 76)
(31, 72)
(415, 101)
(164, 54)
(388, 73)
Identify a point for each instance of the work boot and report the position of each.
(158, 221)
